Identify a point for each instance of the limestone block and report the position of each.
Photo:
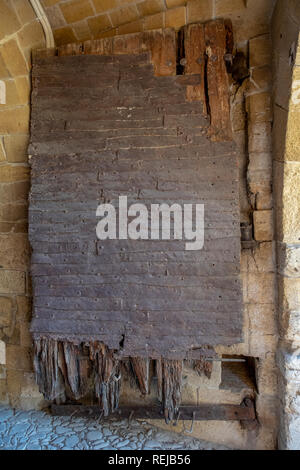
(50, 3)
(12, 282)
(199, 388)
(24, 11)
(6, 313)
(259, 181)
(263, 225)
(262, 319)
(18, 357)
(267, 411)
(14, 381)
(289, 294)
(260, 160)
(260, 51)
(289, 364)
(238, 116)
(13, 98)
(32, 35)
(98, 24)
(57, 20)
(16, 147)
(2, 151)
(251, 21)
(29, 386)
(15, 121)
(260, 79)
(260, 345)
(105, 5)
(25, 335)
(11, 23)
(2, 372)
(133, 27)
(17, 65)
(288, 258)
(14, 251)
(81, 30)
(23, 89)
(283, 82)
(24, 309)
(10, 173)
(267, 376)
(287, 190)
(227, 7)
(259, 107)
(292, 430)
(126, 14)
(262, 258)
(154, 21)
(76, 10)
(15, 227)
(175, 18)
(64, 35)
(292, 152)
(264, 200)
(285, 29)
(261, 288)
(244, 261)
(3, 392)
(32, 403)
(175, 3)
(290, 322)
(260, 137)
(107, 34)
(149, 7)
(4, 73)
(13, 212)
(199, 11)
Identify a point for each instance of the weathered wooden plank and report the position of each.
(194, 60)
(217, 80)
(208, 412)
(160, 43)
(141, 371)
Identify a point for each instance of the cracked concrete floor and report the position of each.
(37, 430)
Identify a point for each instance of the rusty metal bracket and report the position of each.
(245, 412)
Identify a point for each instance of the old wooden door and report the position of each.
(132, 117)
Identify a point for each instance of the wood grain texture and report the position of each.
(218, 43)
(118, 127)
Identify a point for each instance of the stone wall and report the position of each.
(252, 117)
(20, 32)
(286, 139)
(79, 20)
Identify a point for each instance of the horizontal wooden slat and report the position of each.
(208, 412)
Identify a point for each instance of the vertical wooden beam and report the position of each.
(216, 35)
(194, 61)
(140, 368)
(169, 381)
